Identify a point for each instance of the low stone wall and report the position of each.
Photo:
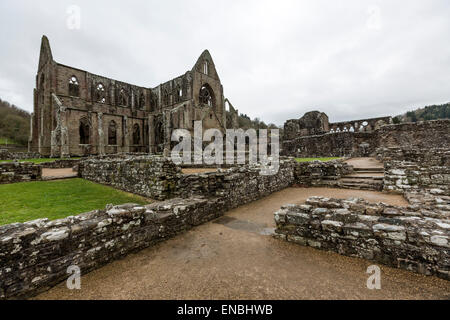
(7, 155)
(395, 236)
(416, 170)
(321, 173)
(35, 255)
(238, 185)
(149, 176)
(61, 164)
(406, 176)
(19, 172)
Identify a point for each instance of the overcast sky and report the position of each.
(276, 59)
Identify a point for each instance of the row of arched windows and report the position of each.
(100, 95)
(84, 131)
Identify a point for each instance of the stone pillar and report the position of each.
(101, 135)
(59, 146)
(126, 138)
(167, 133)
(151, 134)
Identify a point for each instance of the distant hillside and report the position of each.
(14, 124)
(433, 112)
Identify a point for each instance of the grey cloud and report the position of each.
(276, 59)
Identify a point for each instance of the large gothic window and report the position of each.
(136, 134)
(153, 102)
(74, 87)
(206, 96)
(166, 98)
(100, 93)
(123, 98)
(142, 101)
(84, 130)
(112, 133)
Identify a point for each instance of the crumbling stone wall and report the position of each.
(19, 172)
(35, 255)
(423, 134)
(149, 176)
(238, 185)
(417, 170)
(60, 164)
(7, 155)
(319, 173)
(395, 236)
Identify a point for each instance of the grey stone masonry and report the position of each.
(12, 172)
(149, 176)
(401, 237)
(35, 255)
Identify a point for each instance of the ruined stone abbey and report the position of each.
(77, 113)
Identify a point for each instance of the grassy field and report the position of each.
(37, 161)
(21, 202)
(313, 159)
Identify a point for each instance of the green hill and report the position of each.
(433, 112)
(14, 124)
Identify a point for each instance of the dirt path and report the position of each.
(48, 173)
(365, 163)
(234, 258)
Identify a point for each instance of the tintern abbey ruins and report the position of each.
(366, 188)
(77, 113)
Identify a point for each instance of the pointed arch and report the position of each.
(84, 131)
(112, 133)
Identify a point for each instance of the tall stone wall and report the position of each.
(19, 172)
(424, 134)
(395, 236)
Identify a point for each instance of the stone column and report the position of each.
(167, 133)
(126, 142)
(59, 146)
(101, 135)
(151, 134)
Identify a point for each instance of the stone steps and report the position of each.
(369, 170)
(375, 185)
(364, 179)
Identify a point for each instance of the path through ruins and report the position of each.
(233, 257)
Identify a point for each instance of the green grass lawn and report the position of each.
(37, 161)
(21, 202)
(313, 159)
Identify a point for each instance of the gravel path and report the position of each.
(234, 258)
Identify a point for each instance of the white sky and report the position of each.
(276, 59)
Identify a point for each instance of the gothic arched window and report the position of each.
(74, 88)
(112, 133)
(136, 134)
(166, 98)
(153, 102)
(123, 98)
(206, 96)
(205, 67)
(142, 101)
(84, 130)
(100, 93)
